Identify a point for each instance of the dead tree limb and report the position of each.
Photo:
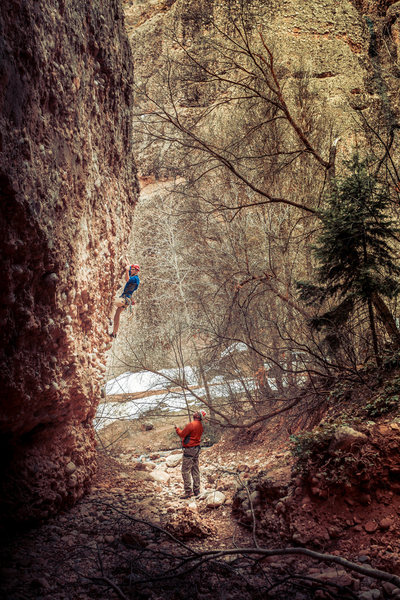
(207, 555)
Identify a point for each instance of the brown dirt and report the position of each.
(114, 528)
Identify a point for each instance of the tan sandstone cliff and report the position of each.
(348, 50)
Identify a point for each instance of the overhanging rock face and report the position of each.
(68, 188)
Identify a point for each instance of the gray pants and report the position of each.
(190, 469)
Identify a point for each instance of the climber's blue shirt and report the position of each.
(131, 285)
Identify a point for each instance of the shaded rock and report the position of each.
(61, 130)
(370, 526)
(386, 523)
(131, 538)
(338, 576)
(345, 437)
(389, 587)
(255, 498)
(370, 595)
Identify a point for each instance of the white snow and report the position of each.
(129, 383)
(236, 347)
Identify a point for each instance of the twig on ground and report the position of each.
(209, 555)
(105, 580)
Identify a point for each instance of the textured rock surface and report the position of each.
(347, 49)
(68, 187)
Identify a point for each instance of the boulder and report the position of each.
(147, 426)
(173, 460)
(144, 466)
(337, 576)
(345, 437)
(215, 499)
(188, 524)
(160, 476)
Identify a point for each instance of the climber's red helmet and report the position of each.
(134, 268)
(200, 415)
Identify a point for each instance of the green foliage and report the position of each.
(307, 444)
(391, 361)
(311, 449)
(382, 405)
(386, 402)
(354, 252)
(344, 467)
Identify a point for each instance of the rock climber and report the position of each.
(191, 438)
(125, 299)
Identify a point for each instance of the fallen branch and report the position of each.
(363, 570)
(105, 580)
(207, 555)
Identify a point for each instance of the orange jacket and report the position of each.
(191, 434)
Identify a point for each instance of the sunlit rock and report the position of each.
(215, 499)
(173, 460)
(160, 476)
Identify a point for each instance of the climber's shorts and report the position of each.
(124, 302)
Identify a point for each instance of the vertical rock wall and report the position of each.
(67, 191)
(348, 49)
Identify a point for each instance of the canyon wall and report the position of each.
(68, 188)
(348, 51)
(209, 145)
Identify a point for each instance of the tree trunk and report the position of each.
(373, 332)
(387, 319)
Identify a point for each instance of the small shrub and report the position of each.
(337, 468)
(307, 445)
(387, 401)
(382, 405)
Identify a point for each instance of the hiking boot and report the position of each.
(196, 494)
(185, 495)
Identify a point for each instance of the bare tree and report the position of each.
(243, 162)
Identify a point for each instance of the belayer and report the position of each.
(125, 299)
(191, 438)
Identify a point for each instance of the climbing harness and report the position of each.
(128, 304)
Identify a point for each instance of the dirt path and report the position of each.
(132, 533)
(55, 560)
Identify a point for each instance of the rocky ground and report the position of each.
(133, 537)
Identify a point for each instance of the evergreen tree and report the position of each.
(355, 254)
